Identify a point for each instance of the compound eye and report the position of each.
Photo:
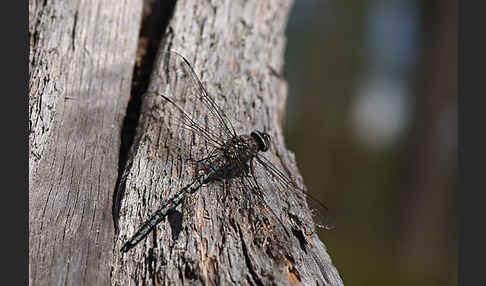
(266, 140)
(262, 139)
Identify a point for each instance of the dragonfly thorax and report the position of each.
(241, 149)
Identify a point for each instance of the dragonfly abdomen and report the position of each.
(164, 210)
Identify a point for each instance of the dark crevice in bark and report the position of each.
(156, 16)
(254, 276)
(300, 237)
(152, 265)
(73, 32)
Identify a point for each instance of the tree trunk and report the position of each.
(219, 235)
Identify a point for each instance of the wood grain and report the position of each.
(81, 62)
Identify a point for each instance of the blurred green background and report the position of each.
(372, 118)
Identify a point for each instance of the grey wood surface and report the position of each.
(81, 62)
(219, 235)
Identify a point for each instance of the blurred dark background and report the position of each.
(372, 118)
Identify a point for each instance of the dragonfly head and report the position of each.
(263, 140)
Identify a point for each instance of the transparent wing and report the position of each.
(253, 205)
(320, 212)
(195, 110)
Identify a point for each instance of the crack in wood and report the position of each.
(73, 33)
(248, 263)
(155, 20)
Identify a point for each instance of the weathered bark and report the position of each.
(81, 62)
(219, 236)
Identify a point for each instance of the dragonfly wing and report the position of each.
(320, 213)
(194, 109)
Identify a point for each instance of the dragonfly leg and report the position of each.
(203, 164)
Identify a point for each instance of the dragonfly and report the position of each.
(233, 156)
